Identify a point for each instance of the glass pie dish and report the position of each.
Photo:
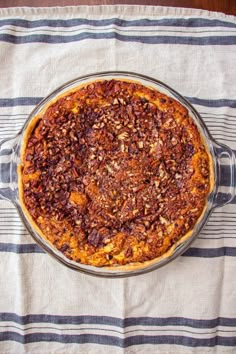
(222, 191)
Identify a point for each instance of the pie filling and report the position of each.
(114, 173)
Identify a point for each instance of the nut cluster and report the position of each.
(115, 173)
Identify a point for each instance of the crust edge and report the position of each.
(127, 267)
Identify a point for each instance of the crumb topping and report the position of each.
(115, 173)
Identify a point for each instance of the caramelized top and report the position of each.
(114, 173)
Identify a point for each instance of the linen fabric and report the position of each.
(188, 306)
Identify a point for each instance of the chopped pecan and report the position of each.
(115, 164)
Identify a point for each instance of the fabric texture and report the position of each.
(188, 306)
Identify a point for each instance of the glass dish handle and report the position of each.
(225, 175)
(8, 168)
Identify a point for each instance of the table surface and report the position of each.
(226, 6)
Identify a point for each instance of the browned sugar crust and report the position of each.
(114, 173)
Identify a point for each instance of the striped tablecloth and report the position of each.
(189, 306)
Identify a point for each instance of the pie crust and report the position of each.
(115, 174)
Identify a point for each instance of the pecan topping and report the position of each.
(114, 173)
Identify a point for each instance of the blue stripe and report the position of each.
(212, 103)
(5, 152)
(32, 101)
(5, 176)
(174, 22)
(55, 39)
(210, 252)
(19, 101)
(223, 197)
(118, 322)
(191, 252)
(116, 341)
(20, 248)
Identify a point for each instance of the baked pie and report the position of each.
(114, 173)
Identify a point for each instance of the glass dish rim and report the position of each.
(179, 249)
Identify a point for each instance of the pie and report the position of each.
(114, 173)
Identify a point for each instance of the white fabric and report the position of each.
(168, 304)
